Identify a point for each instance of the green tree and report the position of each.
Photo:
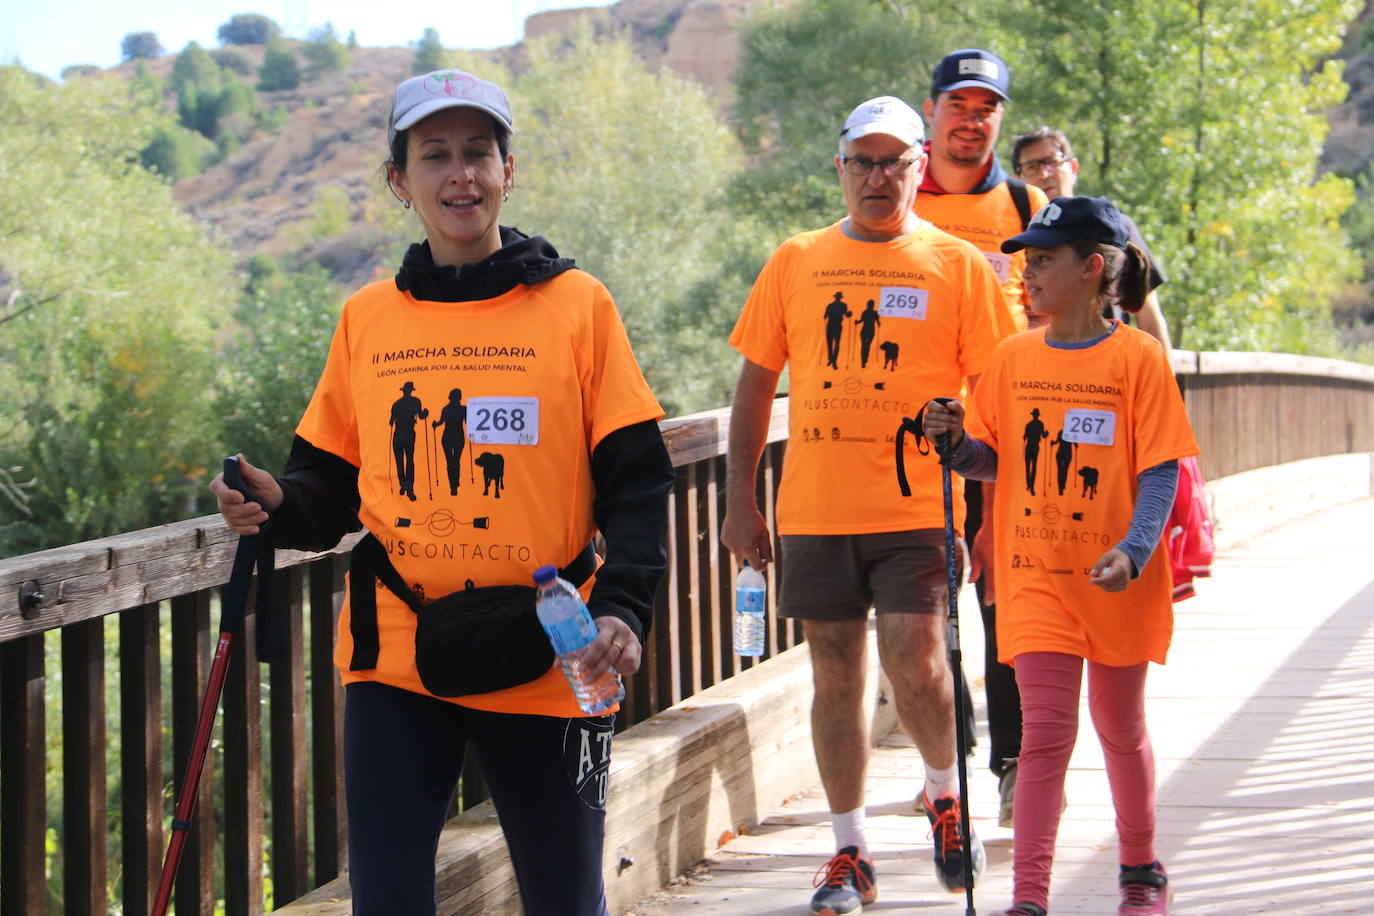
(1205, 120)
(274, 356)
(106, 345)
(176, 152)
(324, 53)
(645, 213)
(198, 82)
(77, 71)
(137, 45)
(248, 29)
(280, 70)
(429, 52)
(236, 59)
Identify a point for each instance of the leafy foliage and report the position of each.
(273, 358)
(138, 45)
(625, 170)
(429, 52)
(77, 71)
(248, 29)
(236, 59)
(1204, 119)
(802, 69)
(176, 152)
(324, 53)
(105, 345)
(280, 69)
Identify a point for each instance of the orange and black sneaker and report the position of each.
(845, 884)
(945, 829)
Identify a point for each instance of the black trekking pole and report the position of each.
(942, 448)
(253, 550)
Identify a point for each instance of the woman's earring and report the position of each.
(505, 197)
(406, 204)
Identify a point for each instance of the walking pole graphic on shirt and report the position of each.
(429, 463)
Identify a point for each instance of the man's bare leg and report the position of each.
(839, 727)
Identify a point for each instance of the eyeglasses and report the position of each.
(862, 165)
(1032, 166)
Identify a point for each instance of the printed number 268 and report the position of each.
(501, 419)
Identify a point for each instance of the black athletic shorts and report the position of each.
(841, 576)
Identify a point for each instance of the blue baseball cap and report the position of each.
(971, 67)
(1065, 219)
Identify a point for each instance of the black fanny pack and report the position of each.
(472, 641)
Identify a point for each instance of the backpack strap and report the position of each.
(1021, 197)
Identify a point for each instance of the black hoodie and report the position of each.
(631, 471)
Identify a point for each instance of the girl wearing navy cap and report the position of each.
(1075, 583)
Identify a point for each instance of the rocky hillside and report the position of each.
(265, 198)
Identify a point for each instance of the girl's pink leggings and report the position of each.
(1050, 684)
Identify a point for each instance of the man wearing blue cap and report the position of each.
(967, 193)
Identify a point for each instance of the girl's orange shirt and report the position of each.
(1073, 429)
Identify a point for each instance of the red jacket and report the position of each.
(1188, 534)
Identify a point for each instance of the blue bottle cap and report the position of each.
(545, 574)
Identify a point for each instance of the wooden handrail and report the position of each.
(1249, 410)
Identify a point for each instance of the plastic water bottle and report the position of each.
(750, 617)
(570, 627)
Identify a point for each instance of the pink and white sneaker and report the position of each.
(1144, 890)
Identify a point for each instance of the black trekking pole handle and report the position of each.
(956, 658)
(253, 550)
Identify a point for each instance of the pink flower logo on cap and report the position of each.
(454, 84)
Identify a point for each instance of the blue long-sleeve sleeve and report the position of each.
(1153, 501)
(974, 459)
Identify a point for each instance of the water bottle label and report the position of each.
(571, 634)
(749, 600)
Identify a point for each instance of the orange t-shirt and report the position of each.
(472, 425)
(870, 332)
(987, 220)
(1072, 430)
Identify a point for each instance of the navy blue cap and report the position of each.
(971, 67)
(1067, 218)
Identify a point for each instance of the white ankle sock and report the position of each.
(942, 782)
(849, 830)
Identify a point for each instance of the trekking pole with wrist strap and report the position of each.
(254, 550)
(946, 453)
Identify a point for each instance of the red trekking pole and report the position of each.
(253, 550)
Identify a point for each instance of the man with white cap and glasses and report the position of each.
(850, 540)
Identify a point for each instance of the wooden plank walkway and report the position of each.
(1263, 726)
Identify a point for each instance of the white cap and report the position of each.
(421, 96)
(885, 115)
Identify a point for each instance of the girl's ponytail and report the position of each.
(1131, 284)
(1125, 273)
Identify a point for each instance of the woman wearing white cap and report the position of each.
(562, 426)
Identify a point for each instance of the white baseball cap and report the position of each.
(421, 96)
(885, 115)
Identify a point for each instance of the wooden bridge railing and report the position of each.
(124, 625)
